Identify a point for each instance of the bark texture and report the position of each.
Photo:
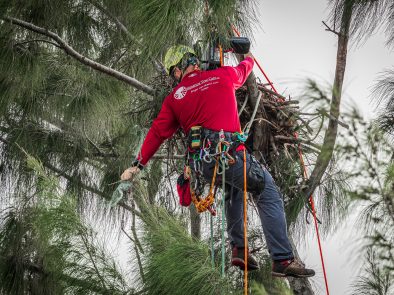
(195, 223)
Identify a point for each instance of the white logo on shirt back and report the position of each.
(202, 85)
(180, 93)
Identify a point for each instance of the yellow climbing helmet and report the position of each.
(181, 56)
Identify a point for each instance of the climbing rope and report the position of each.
(243, 105)
(249, 124)
(305, 175)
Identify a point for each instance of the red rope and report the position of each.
(312, 203)
(258, 64)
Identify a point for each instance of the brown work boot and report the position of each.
(291, 268)
(238, 259)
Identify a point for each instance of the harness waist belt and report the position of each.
(213, 135)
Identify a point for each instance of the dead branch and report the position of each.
(344, 125)
(262, 88)
(329, 29)
(293, 139)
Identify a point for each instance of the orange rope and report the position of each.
(221, 55)
(245, 229)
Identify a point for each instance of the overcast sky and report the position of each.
(291, 44)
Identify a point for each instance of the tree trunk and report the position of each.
(261, 130)
(330, 136)
(195, 223)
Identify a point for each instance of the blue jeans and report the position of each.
(268, 199)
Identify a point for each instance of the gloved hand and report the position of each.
(249, 54)
(129, 173)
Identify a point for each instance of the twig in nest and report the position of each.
(274, 146)
(302, 141)
(288, 155)
(262, 88)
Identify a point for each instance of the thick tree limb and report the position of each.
(82, 59)
(260, 128)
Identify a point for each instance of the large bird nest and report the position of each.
(274, 125)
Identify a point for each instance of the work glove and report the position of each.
(129, 173)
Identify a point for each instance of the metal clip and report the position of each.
(207, 157)
(223, 164)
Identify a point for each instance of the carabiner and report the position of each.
(207, 158)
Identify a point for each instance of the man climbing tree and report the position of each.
(205, 101)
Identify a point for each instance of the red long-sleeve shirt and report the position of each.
(203, 98)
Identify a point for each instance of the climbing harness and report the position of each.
(199, 151)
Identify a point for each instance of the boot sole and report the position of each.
(282, 275)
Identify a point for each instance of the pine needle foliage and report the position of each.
(372, 169)
(375, 280)
(45, 248)
(383, 94)
(176, 263)
(365, 16)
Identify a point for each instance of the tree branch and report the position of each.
(82, 59)
(39, 40)
(89, 188)
(329, 29)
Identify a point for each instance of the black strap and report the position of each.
(138, 164)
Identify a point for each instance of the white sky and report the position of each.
(291, 44)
